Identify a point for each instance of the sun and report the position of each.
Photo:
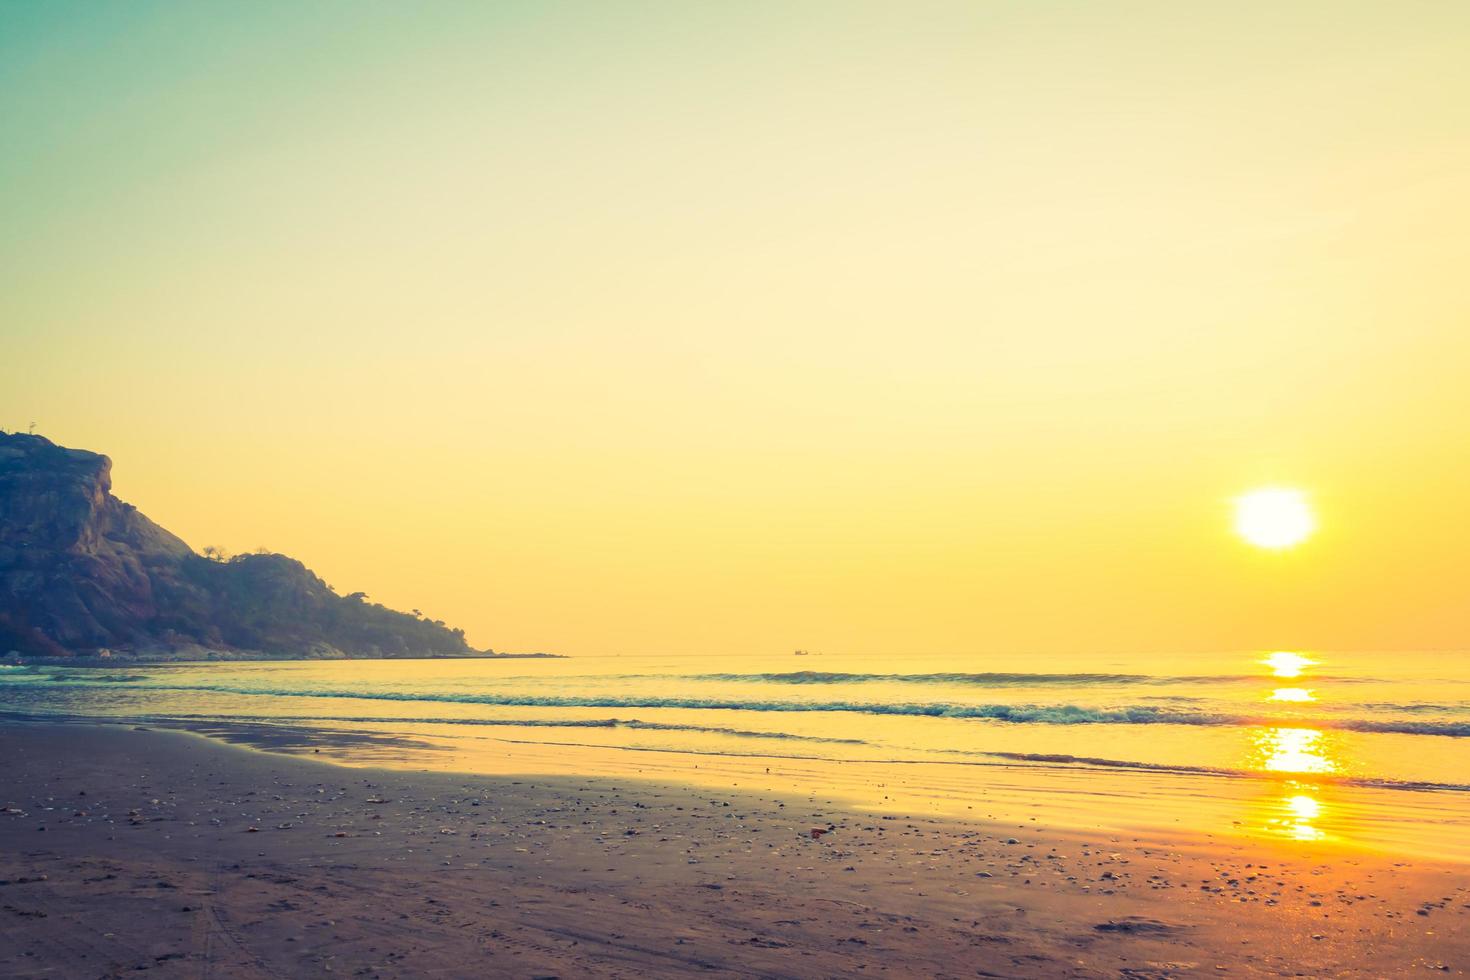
(1274, 517)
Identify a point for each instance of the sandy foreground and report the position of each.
(125, 851)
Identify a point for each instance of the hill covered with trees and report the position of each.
(83, 574)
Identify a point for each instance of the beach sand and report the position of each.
(125, 851)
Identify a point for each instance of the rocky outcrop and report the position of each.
(81, 572)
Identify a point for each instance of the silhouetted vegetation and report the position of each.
(83, 572)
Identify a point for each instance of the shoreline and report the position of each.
(148, 858)
(251, 657)
(1323, 816)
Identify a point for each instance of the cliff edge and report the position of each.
(83, 574)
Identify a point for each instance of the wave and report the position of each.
(626, 723)
(1419, 707)
(978, 758)
(982, 679)
(1092, 761)
(1050, 714)
(85, 676)
(986, 679)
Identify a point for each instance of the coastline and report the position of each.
(248, 657)
(173, 852)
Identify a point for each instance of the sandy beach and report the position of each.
(126, 850)
(742, 490)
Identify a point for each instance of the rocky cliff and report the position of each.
(81, 573)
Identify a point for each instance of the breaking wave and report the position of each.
(1050, 714)
(1092, 761)
(987, 679)
(634, 724)
(87, 676)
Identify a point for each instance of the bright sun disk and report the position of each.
(1274, 517)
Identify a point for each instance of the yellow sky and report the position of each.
(675, 327)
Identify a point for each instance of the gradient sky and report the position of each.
(724, 328)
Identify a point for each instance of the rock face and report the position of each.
(82, 572)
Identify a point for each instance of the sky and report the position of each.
(697, 328)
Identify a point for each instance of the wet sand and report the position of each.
(125, 851)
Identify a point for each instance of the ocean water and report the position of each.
(1307, 750)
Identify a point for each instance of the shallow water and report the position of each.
(1313, 750)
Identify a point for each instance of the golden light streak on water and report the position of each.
(1300, 813)
(1284, 663)
(1291, 750)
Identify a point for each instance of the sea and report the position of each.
(1313, 751)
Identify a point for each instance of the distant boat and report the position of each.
(800, 653)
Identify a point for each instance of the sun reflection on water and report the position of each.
(1283, 663)
(1302, 750)
(1303, 807)
(1298, 813)
(1296, 809)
